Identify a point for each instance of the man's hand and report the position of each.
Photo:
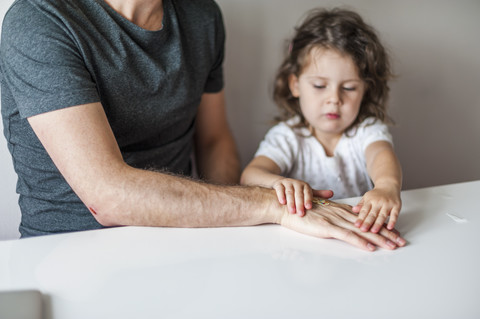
(337, 221)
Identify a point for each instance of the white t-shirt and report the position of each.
(301, 156)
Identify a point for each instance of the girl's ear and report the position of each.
(293, 85)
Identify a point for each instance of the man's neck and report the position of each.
(147, 14)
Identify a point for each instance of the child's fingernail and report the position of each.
(370, 247)
(401, 241)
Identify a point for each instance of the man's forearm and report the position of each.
(155, 199)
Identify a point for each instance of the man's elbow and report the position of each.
(104, 218)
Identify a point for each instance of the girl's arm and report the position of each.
(383, 200)
(261, 171)
(296, 194)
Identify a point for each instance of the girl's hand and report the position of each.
(297, 195)
(376, 206)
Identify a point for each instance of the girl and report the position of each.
(332, 90)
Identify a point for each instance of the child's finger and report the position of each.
(290, 194)
(379, 222)
(299, 201)
(307, 197)
(280, 191)
(370, 219)
(393, 218)
(362, 214)
(357, 208)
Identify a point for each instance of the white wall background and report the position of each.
(435, 99)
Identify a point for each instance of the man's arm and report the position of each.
(215, 150)
(83, 147)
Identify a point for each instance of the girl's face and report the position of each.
(329, 91)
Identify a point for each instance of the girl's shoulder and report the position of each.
(280, 129)
(369, 131)
(295, 127)
(370, 124)
(287, 132)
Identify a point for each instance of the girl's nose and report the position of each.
(334, 97)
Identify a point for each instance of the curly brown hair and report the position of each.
(346, 32)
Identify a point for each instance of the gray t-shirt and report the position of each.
(60, 53)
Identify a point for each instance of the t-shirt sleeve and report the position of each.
(372, 130)
(41, 63)
(215, 80)
(280, 144)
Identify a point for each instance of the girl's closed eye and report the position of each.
(318, 84)
(350, 88)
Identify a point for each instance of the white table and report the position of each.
(260, 272)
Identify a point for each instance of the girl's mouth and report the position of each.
(332, 116)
